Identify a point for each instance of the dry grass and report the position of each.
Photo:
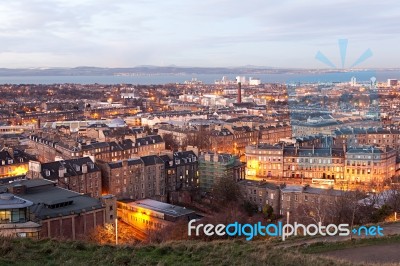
(225, 252)
(231, 252)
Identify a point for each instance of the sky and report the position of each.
(202, 33)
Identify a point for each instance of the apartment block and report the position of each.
(261, 193)
(81, 175)
(136, 178)
(300, 203)
(47, 149)
(182, 175)
(354, 165)
(13, 163)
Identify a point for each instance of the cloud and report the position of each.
(208, 32)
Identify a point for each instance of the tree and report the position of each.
(268, 212)
(106, 234)
(250, 207)
(314, 212)
(226, 190)
(333, 208)
(380, 214)
(346, 208)
(148, 130)
(200, 139)
(170, 142)
(393, 197)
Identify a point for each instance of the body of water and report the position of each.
(381, 76)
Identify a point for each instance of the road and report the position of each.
(385, 253)
(388, 229)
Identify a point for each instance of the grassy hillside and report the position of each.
(234, 252)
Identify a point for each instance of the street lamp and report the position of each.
(287, 220)
(116, 231)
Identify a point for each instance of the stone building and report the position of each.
(48, 149)
(380, 137)
(81, 175)
(274, 133)
(182, 175)
(351, 165)
(369, 164)
(13, 163)
(135, 178)
(308, 204)
(261, 193)
(125, 179)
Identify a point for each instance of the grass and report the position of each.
(320, 247)
(228, 252)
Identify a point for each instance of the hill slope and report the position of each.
(233, 252)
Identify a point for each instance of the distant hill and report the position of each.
(143, 70)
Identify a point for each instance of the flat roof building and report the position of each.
(60, 212)
(150, 215)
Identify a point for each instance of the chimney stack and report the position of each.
(239, 93)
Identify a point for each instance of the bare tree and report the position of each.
(314, 211)
(170, 142)
(200, 139)
(393, 197)
(333, 208)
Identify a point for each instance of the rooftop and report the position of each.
(51, 201)
(161, 207)
(9, 201)
(260, 184)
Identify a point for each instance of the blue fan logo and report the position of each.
(342, 43)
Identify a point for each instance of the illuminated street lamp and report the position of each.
(116, 231)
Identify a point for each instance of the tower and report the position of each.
(239, 93)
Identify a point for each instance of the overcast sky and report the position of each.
(125, 33)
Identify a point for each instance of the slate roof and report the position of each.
(255, 183)
(19, 157)
(50, 201)
(118, 164)
(152, 160)
(72, 167)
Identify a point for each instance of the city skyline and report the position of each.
(208, 34)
